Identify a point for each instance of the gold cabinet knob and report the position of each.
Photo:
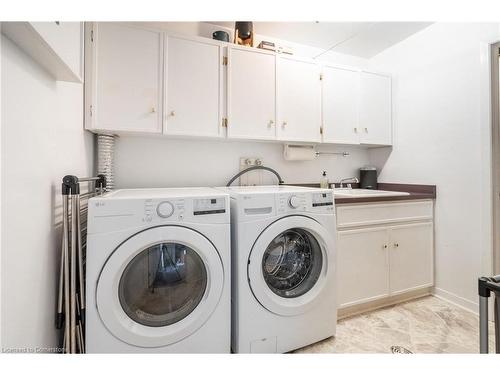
(172, 113)
(284, 123)
(270, 123)
(153, 110)
(355, 130)
(366, 130)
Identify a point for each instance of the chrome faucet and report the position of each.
(350, 180)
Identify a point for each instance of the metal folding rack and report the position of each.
(486, 285)
(70, 317)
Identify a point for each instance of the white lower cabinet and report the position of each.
(377, 260)
(363, 265)
(410, 260)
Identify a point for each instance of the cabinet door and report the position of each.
(340, 98)
(411, 257)
(298, 100)
(127, 71)
(193, 87)
(363, 265)
(375, 121)
(251, 105)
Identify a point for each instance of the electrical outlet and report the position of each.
(254, 177)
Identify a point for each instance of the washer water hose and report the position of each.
(240, 173)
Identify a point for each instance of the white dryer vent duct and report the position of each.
(106, 158)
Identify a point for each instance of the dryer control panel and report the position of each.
(208, 206)
(108, 214)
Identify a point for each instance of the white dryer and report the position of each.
(283, 267)
(158, 271)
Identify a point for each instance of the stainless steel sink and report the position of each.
(364, 193)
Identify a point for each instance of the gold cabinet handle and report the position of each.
(396, 244)
(385, 246)
(355, 130)
(153, 110)
(172, 113)
(284, 123)
(271, 123)
(366, 130)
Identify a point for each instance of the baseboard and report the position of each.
(465, 304)
(361, 308)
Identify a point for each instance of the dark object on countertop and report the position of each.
(220, 35)
(243, 33)
(368, 178)
(280, 180)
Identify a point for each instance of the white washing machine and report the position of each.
(158, 272)
(283, 267)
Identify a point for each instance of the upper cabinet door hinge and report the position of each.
(224, 60)
(321, 77)
(224, 122)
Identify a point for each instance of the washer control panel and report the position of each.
(292, 202)
(322, 199)
(207, 206)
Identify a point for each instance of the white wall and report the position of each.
(170, 162)
(440, 139)
(42, 140)
(159, 162)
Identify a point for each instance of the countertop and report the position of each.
(415, 192)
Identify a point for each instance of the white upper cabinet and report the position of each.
(375, 120)
(340, 103)
(146, 81)
(124, 83)
(251, 93)
(298, 100)
(193, 84)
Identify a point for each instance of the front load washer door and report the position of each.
(159, 286)
(289, 264)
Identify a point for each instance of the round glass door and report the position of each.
(159, 286)
(292, 263)
(162, 284)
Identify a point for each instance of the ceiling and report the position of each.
(362, 39)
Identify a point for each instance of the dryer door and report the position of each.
(159, 286)
(289, 264)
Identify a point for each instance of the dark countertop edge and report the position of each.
(416, 192)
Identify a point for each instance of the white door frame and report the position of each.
(494, 110)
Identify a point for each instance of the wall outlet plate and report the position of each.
(254, 177)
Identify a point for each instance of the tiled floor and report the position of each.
(425, 325)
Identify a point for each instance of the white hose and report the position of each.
(106, 158)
